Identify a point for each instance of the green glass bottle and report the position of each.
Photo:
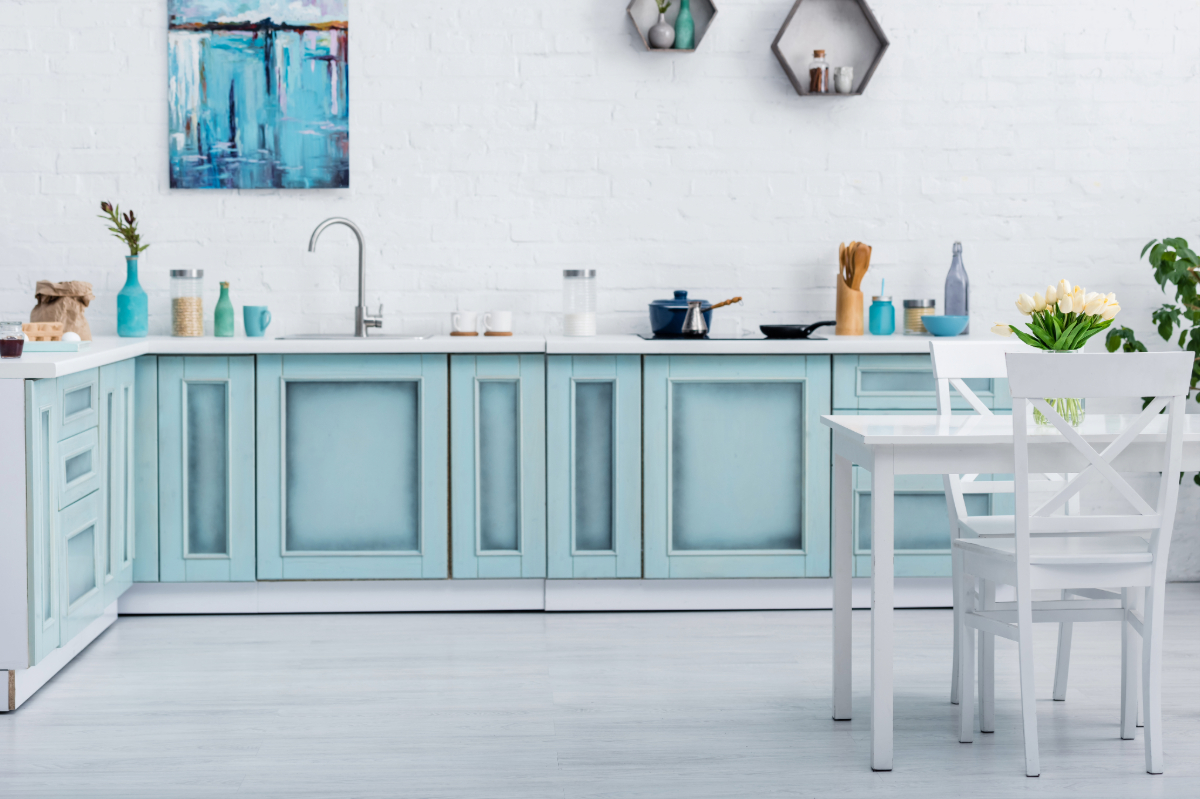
(685, 27)
(223, 318)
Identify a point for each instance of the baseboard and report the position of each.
(23, 683)
(366, 596)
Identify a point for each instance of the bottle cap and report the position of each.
(880, 298)
(819, 53)
(920, 303)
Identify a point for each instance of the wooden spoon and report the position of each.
(726, 302)
(862, 262)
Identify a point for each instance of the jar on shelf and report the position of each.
(913, 311)
(579, 302)
(187, 302)
(882, 316)
(12, 339)
(818, 74)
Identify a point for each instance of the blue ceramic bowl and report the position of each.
(945, 325)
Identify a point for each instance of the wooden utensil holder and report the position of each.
(849, 310)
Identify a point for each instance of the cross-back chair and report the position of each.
(1086, 554)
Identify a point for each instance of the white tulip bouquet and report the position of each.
(1063, 318)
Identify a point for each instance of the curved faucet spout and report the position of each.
(362, 319)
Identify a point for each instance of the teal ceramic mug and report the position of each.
(256, 317)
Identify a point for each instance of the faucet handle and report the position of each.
(374, 321)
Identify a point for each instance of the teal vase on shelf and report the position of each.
(685, 28)
(132, 306)
(223, 318)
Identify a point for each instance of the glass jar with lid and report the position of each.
(187, 302)
(12, 339)
(579, 302)
(818, 74)
(913, 311)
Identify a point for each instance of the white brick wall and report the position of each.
(494, 144)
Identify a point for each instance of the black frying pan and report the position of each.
(793, 331)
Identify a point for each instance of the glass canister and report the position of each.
(579, 302)
(882, 316)
(12, 339)
(913, 311)
(818, 74)
(187, 302)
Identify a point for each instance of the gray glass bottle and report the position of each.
(958, 288)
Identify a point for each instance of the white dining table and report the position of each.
(888, 446)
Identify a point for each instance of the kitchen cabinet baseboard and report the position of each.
(21, 684)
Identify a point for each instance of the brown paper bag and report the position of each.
(64, 302)
(849, 310)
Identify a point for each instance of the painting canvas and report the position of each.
(259, 94)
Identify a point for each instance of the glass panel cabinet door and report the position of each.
(117, 386)
(737, 470)
(498, 477)
(41, 433)
(594, 465)
(352, 466)
(206, 468)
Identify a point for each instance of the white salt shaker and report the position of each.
(579, 302)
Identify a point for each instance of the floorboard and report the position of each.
(571, 705)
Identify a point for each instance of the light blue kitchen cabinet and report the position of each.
(352, 466)
(498, 465)
(145, 470)
(41, 434)
(80, 530)
(594, 465)
(902, 383)
(78, 402)
(737, 466)
(206, 468)
(117, 414)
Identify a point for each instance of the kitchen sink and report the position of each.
(349, 337)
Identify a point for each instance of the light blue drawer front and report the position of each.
(206, 468)
(81, 537)
(78, 402)
(594, 460)
(352, 466)
(498, 479)
(902, 382)
(41, 433)
(78, 467)
(737, 466)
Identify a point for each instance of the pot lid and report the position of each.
(680, 301)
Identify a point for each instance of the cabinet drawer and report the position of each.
(77, 467)
(902, 382)
(78, 402)
(81, 551)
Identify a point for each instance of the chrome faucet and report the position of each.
(362, 319)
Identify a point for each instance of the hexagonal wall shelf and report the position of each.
(845, 29)
(644, 15)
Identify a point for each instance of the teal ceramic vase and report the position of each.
(685, 27)
(133, 314)
(223, 318)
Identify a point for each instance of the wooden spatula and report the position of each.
(862, 262)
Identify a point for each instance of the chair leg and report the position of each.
(1152, 628)
(965, 654)
(1131, 650)
(1063, 663)
(1140, 598)
(1028, 696)
(957, 623)
(987, 664)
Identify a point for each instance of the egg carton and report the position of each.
(43, 331)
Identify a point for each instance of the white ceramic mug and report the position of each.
(464, 322)
(497, 322)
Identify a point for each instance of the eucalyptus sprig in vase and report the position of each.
(1062, 320)
(133, 314)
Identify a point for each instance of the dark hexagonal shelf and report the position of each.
(845, 29)
(644, 15)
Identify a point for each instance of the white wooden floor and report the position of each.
(568, 705)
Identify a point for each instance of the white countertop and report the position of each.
(110, 349)
(997, 429)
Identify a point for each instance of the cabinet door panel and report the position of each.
(737, 466)
(41, 434)
(352, 466)
(78, 402)
(206, 467)
(498, 479)
(81, 552)
(145, 469)
(78, 467)
(594, 468)
(902, 382)
(117, 414)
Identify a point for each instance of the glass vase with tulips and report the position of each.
(1062, 320)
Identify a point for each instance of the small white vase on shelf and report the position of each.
(662, 34)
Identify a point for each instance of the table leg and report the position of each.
(882, 588)
(843, 562)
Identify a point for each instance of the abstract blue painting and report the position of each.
(259, 94)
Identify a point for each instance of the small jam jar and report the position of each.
(882, 316)
(12, 339)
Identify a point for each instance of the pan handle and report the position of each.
(735, 300)
(808, 331)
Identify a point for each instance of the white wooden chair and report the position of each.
(955, 362)
(1087, 554)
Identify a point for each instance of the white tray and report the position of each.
(55, 346)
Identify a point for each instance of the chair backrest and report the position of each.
(1164, 376)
